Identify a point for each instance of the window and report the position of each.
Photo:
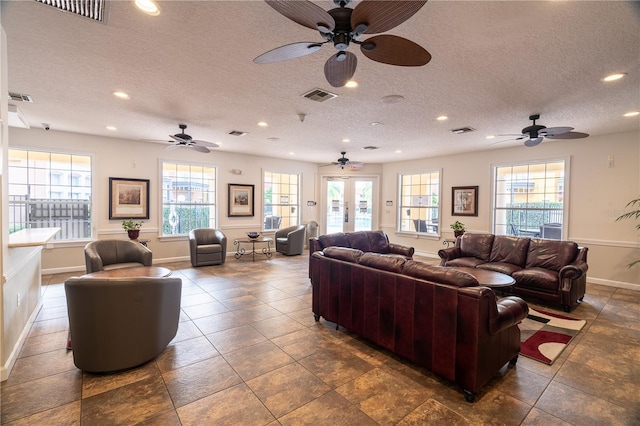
(188, 198)
(281, 206)
(529, 199)
(420, 202)
(42, 193)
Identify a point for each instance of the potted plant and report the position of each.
(458, 228)
(630, 215)
(132, 228)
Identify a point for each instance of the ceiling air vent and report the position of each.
(370, 148)
(463, 130)
(20, 97)
(319, 95)
(237, 133)
(92, 9)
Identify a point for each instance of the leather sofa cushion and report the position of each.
(469, 262)
(359, 240)
(507, 249)
(338, 239)
(438, 274)
(538, 278)
(385, 262)
(551, 254)
(379, 242)
(343, 253)
(476, 245)
(502, 267)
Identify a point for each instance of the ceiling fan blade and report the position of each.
(205, 143)
(199, 148)
(288, 51)
(337, 71)
(178, 138)
(171, 147)
(552, 131)
(570, 135)
(304, 13)
(381, 16)
(394, 50)
(533, 142)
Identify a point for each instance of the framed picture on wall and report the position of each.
(128, 198)
(464, 201)
(240, 200)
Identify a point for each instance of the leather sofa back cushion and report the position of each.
(379, 241)
(551, 254)
(359, 240)
(509, 250)
(338, 239)
(343, 253)
(385, 262)
(476, 245)
(438, 274)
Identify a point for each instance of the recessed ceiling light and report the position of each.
(262, 123)
(632, 113)
(490, 137)
(345, 140)
(148, 6)
(614, 77)
(442, 118)
(376, 123)
(292, 153)
(351, 84)
(398, 151)
(121, 95)
(112, 128)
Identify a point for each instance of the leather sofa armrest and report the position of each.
(573, 271)
(403, 250)
(511, 311)
(449, 254)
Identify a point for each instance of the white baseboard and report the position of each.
(5, 370)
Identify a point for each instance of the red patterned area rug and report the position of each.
(544, 335)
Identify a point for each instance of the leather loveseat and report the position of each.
(436, 317)
(549, 270)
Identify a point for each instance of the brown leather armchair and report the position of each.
(120, 323)
(290, 241)
(104, 255)
(207, 247)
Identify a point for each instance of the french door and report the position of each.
(349, 203)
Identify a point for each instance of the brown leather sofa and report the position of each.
(120, 323)
(436, 317)
(549, 270)
(104, 255)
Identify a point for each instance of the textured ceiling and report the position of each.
(494, 64)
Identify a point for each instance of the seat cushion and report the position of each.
(209, 248)
(470, 262)
(538, 278)
(502, 267)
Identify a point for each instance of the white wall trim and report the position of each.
(5, 370)
(611, 283)
(606, 243)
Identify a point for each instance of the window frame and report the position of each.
(437, 208)
(563, 183)
(284, 222)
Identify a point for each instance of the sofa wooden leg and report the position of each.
(566, 308)
(512, 361)
(317, 317)
(469, 396)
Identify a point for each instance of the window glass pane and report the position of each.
(419, 203)
(280, 200)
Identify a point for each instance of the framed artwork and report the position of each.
(464, 201)
(128, 198)
(240, 200)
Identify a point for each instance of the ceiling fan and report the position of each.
(535, 133)
(342, 26)
(183, 140)
(343, 161)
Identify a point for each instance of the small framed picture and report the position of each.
(128, 198)
(240, 200)
(464, 201)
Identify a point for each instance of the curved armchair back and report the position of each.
(111, 254)
(290, 241)
(207, 246)
(120, 323)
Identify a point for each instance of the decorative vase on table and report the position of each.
(133, 233)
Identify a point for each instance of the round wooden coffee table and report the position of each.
(137, 271)
(491, 279)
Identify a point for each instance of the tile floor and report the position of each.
(249, 352)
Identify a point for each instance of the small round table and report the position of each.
(241, 251)
(491, 279)
(136, 271)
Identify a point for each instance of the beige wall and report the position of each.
(597, 195)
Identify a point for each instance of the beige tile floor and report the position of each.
(249, 352)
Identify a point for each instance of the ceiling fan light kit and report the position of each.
(343, 26)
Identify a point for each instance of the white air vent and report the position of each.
(16, 118)
(237, 133)
(93, 9)
(463, 130)
(319, 95)
(20, 97)
(370, 148)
